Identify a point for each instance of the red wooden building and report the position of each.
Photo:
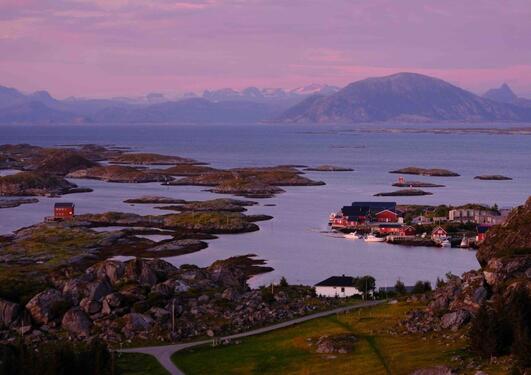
(386, 216)
(439, 233)
(63, 210)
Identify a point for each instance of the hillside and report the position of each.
(402, 97)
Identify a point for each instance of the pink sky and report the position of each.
(131, 47)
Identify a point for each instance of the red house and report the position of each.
(386, 216)
(439, 233)
(408, 230)
(391, 228)
(63, 210)
(482, 233)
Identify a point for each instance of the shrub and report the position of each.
(283, 282)
(421, 287)
(400, 288)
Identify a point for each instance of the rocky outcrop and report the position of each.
(15, 202)
(117, 173)
(328, 168)
(505, 257)
(340, 343)
(9, 313)
(33, 183)
(47, 306)
(150, 159)
(416, 184)
(149, 199)
(493, 177)
(436, 172)
(76, 322)
(404, 193)
(510, 238)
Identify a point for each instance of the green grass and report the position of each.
(139, 364)
(288, 351)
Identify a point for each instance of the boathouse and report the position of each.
(63, 210)
(439, 233)
(337, 286)
(386, 216)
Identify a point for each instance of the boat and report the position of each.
(464, 243)
(446, 243)
(373, 238)
(351, 236)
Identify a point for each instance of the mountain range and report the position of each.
(404, 97)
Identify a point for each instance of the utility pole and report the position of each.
(173, 316)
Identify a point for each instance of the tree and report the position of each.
(400, 288)
(365, 284)
(421, 287)
(283, 282)
(440, 283)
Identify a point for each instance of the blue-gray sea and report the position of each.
(293, 242)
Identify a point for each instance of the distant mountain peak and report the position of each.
(503, 94)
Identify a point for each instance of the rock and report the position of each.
(176, 247)
(150, 159)
(114, 300)
(91, 307)
(139, 270)
(230, 294)
(159, 313)
(134, 322)
(210, 333)
(15, 202)
(437, 370)
(77, 322)
(480, 295)
(340, 343)
(153, 199)
(203, 299)
(98, 289)
(417, 184)
(111, 269)
(454, 320)
(9, 313)
(33, 183)
(47, 306)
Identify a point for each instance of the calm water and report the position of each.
(292, 242)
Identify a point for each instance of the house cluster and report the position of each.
(380, 217)
(465, 215)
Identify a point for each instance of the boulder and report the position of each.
(9, 313)
(436, 370)
(91, 307)
(140, 271)
(114, 299)
(111, 269)
(134, 322)
(341, 343)
(77, 322)
(47, 306)
(98, 289)
(159, 313)
(454, 320)
(230, 294)
(480, 295)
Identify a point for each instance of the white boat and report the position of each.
(351, 236)
(373, 238)
(464, 243)
(446, 243)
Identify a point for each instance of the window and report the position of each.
(342, 290)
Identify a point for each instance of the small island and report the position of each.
(434, 172)
(493, 177)
(328, 168)
(404, 193)
(416, 184)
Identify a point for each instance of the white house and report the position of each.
(337, 286)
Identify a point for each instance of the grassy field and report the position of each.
(288, 351)
(139, 364)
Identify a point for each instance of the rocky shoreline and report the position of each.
(404, 193)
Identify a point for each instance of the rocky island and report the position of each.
(328, 168)
(416, 184)
(404, 193)
(435, 172)
(35, 183)
(494, 177)
(119, 173)
(150, 159)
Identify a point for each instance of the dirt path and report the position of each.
(163, 353)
